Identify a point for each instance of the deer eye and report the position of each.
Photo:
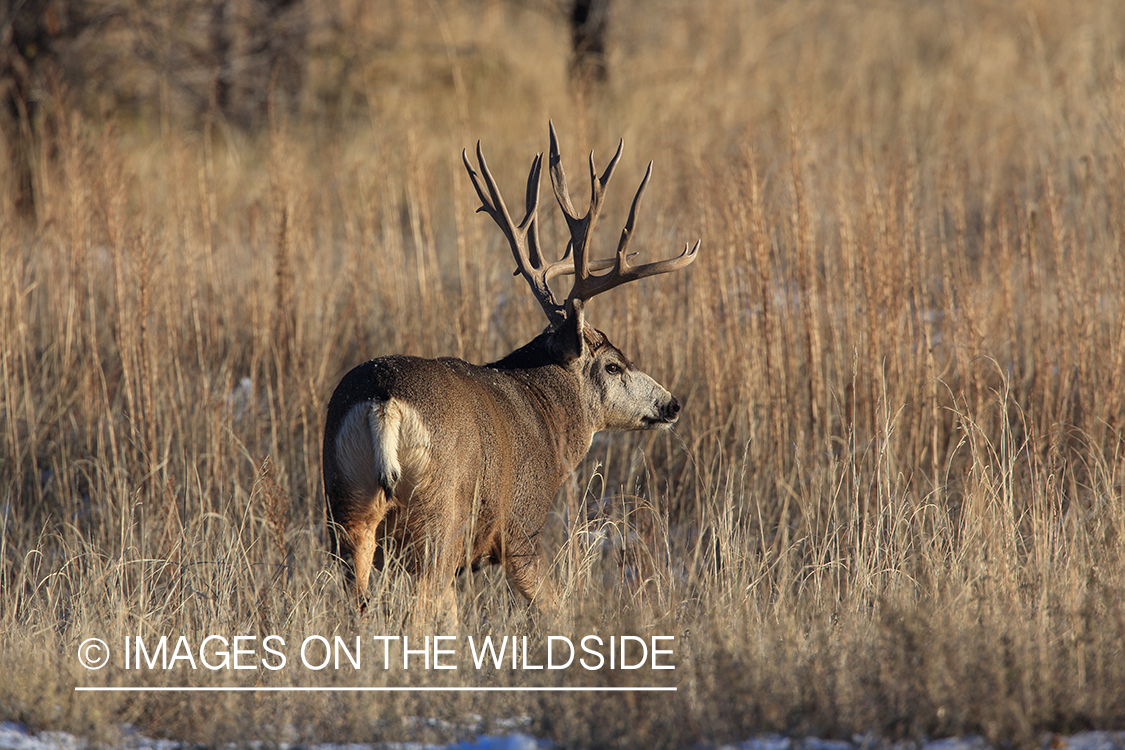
(613, 368)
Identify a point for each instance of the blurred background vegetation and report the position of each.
(893, 502)
(235, 61)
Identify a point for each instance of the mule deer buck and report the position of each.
(457, 463)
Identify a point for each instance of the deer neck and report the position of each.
(555, 395)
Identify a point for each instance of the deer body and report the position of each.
(457, 463)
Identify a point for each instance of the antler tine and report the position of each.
(494, 205)
(597, 195)
(558, 177)
(534, 252)
(627, 232)
(529, 258)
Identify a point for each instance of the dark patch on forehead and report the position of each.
(596, 341)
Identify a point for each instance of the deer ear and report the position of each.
(567, 342)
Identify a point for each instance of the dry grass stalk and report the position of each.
(896, 507)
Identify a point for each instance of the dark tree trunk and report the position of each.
(28, 29)
(221, 43)
(588, 23)
(258, 48)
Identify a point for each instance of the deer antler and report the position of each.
(587, 286)
(524, 237)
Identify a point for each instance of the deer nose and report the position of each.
(672, 410)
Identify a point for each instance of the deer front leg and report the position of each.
(527, 573)
(435, 599)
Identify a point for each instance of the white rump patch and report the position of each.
(376, 440)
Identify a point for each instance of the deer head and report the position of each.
(626, 398)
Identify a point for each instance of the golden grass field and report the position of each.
(893, 503)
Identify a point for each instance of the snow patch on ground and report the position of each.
(14, 736)
(1082, 741)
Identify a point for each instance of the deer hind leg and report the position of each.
(359, 542)
(367, 458)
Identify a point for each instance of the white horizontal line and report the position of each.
(300, 689)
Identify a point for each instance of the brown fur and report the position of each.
(459, 463)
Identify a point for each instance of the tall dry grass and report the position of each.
(893, 503)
